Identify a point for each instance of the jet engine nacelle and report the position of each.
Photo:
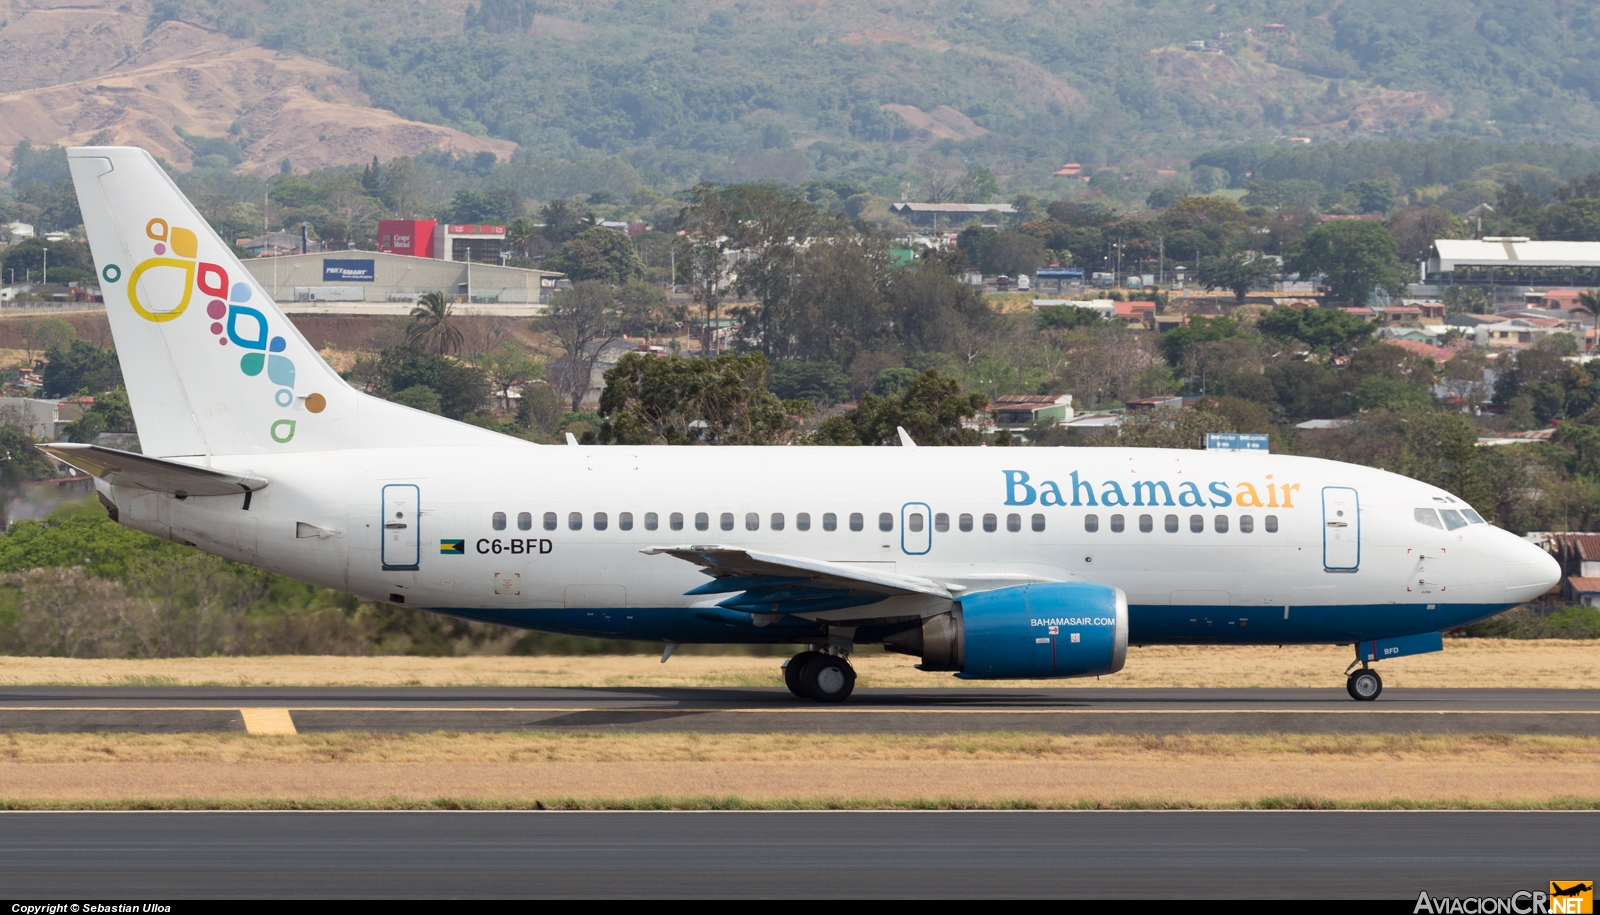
(1056, 629)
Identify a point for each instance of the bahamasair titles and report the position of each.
(987, 563)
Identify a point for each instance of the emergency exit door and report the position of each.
(402, 543)
(1341, 529)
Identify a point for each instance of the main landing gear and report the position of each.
(1364, 685)
(823, 676)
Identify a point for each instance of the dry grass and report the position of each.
(1556, 664)
(671, 770)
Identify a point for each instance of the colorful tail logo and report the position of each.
(163, 280)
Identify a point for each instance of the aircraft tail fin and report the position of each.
(211, 364)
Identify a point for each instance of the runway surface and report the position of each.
(1053, 710)
(1112, 855)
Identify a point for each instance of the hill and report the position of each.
(793, 90)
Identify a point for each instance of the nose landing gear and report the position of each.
(819, 676)
(1364, 685)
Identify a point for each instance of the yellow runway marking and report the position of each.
(267, 721)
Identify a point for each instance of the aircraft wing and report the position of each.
(124, 468)
(793, 584)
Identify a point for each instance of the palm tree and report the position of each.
(431, 327)
(1590, 299)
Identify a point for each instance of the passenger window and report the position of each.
(966, 522)
(752, 522)
(651, 521)
(1038, 523)
(1146, 524)
(1272, 524)
(802, 521)
(990, 524)
(1427, 517)
(727, 521)
(675, 521)
(1172, 524)
(1452, 519)
(625, 521)
(549, 521)
(915, 522)
(830, 522)
(1197, 523)
(575, 521)
(857, 521)
(1247, 523)
(524, 521)
(941, 522)
(885, 521)
(1013, 522)
(600, 521)
(498, 521)
(1091, 523)
(1473, 516)
(777, 521)
(1116, 523)
(702, 521)
(1220, 524)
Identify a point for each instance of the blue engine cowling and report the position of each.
(1057, 629)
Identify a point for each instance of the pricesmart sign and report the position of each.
(349, 271)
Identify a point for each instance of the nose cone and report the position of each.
(1530, 572)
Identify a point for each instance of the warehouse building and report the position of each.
(1514, 261)
(374, 282)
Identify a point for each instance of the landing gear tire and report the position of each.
(827, 679)
(794, 667)
(1364, 685)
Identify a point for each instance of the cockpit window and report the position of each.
(1473, 516)
(1452, 519)
(1427, 516)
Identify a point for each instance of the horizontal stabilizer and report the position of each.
(792, 584)
(124, 468)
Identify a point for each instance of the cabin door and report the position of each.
(402, 544)
(916, 528)
(1341, 529)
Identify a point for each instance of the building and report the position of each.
(1579, 555)
(951, 213)
(374, 282)
(412, 237)
(1517, 333)
(15, 231)
(1514, 260)
(1016, 412)
(275, 244)
(42, 418)
(461, 243)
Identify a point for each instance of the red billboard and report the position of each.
(412, 237)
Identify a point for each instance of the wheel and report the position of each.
(826, 678)
(792, 669)
(1364, 685)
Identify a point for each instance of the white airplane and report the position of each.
(988, 562)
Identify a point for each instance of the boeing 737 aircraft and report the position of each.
(986, 562)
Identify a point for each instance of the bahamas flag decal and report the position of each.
(453, 547)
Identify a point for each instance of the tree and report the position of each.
(1355, 255)
(722, 401)
(1590, 299)
(1013, 253)
(509, 367)
(1238, 272)
(1373, 195)
(50, 333)
(1067, 317)
(1337, 330)
(599, 253)
(582, 322)
(432, 326)
(819, 382)
(79, 368)
(1176, 342)
(1416, 229)
(933, 411)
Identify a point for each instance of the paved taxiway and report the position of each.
(1053, 710)
(1112, 855)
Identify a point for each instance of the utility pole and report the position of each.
(1116, 278)
(44, 280)
(1161, 240)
